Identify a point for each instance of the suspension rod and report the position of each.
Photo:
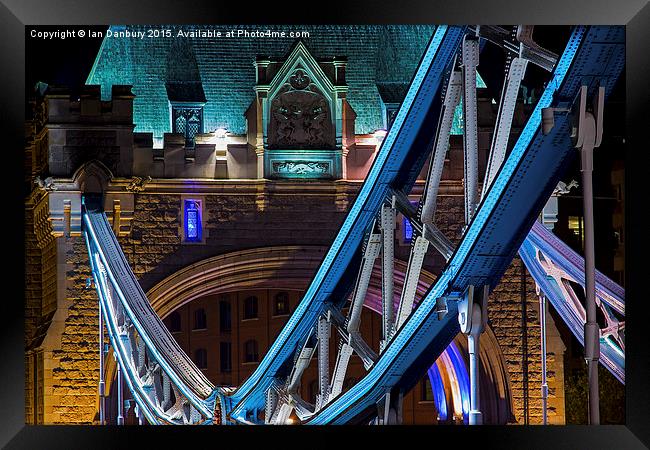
(440, 146)
(120, 399)
(363, 280)
(387, 225)
(323, 361)
(413, 271)
(102, 383)
(542, 324)
(470, 130)
(514, 75)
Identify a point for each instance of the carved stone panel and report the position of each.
(301, 168)
(300, 116)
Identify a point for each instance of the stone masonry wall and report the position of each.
(75, 371)
(154, 249)
(40, 303)
(513, 299)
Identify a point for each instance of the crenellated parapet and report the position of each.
(212, 156)
(77, 130)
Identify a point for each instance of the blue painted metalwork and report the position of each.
(593, 56)
(438, 388)
(384, 170)
(543, 252)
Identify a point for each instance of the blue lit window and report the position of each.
(408, 230)
(193, 229)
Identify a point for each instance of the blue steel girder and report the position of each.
(396, 165)
(542, 252)
(134, 328)
(593, 56)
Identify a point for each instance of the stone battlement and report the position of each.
(218, 157)
(60, 107)
(76, 131)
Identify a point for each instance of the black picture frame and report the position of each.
(16, 14)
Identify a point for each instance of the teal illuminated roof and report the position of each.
(378, 55)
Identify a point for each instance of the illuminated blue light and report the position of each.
(193, 229)
(408, 230)
(460, 370)
(438, 389)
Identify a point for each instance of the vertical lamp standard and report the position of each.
(588, 136)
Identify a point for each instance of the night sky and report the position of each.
(65, 62)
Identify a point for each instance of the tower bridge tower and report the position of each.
(225, 226)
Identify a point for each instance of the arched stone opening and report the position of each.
(292, 268)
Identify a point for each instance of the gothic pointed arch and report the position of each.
(296, 123)
(92, 177)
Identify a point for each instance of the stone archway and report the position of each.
(294, 267)
(264, 268)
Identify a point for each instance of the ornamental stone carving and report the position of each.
(138, 184)
(300, 116)
(301, 167)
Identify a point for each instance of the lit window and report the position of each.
(281, 304)
(200, 319)
(408, 230)
(187, 121)
(193, 229)
(576, 226)
(251, 351)
(201, 358)
(250, 308)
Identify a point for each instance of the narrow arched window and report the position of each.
(200, 319)
(251, 353)
(281, 304)
(193, 225)
(201, 358)
(250, 307)
(174, 322)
